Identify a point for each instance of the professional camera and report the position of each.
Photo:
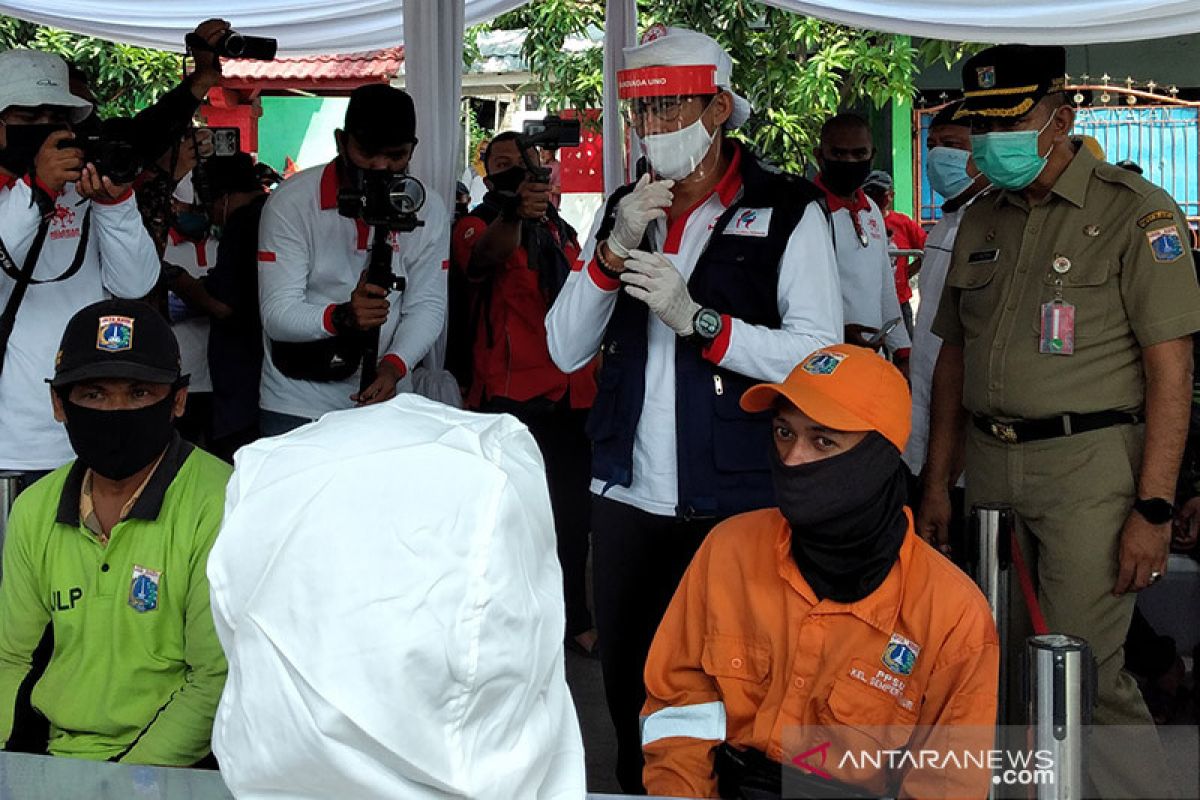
(384, 199)
(237, 45)
(551, 131)
(113, 147)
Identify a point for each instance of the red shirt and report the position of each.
(516, 363)
(904, 233)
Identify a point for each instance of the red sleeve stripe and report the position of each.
(327, 319)
(577, 266)
(601, 280)
(266, 255)
(445, 264)
(396, 362)
(719, 346)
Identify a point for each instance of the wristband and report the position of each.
(616, 248)
(605, 269)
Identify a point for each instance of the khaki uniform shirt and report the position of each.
(1121, 246)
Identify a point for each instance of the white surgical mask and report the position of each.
(676, 155)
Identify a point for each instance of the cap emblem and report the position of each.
(653, 33)
(823, 363)
(115, 334)
(986, 77)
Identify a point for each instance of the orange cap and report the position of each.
(844, 388)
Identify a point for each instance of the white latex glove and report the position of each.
(653, 279)
(646, 203)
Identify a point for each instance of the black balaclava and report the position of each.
(847, 517)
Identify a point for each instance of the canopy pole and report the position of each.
(620, 31)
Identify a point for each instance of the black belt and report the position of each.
(1032, 430)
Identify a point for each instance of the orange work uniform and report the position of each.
(747, 654)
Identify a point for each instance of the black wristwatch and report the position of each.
(706, 326)
(1155, 510)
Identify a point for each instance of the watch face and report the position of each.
(1155, 510)
(708, 323)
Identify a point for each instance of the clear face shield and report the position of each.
(665, 107)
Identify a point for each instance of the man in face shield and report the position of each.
(709, 273)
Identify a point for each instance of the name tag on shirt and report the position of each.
(750, 222)
(983, 257)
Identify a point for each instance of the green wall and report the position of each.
(300, 128)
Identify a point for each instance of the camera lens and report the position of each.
(407, 195)
(235, 45)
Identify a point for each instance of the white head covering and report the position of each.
(680, 47)
(184, 191)
(33, 78)
(388, 594)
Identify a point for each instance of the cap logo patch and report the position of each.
(823, 363)
(986, 77)
(653, 33)
(900, 655)
(115, 334)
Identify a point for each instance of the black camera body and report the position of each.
(237, 45)
(551, 131)
(113, 148)
(384, 199)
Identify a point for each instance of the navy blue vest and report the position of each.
(722, 451)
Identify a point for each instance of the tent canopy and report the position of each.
(304, 27)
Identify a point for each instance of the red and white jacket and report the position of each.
(120, 260)
(309, 261)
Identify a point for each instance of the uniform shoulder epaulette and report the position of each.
(1111, 173)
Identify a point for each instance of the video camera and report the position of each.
(113, 147)
(551, 131)
(237, 45)
(384, 199)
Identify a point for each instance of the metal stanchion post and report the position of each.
(8, 493)
(989, 558)
(1061, 683)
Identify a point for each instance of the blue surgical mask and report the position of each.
(947, 171)
(1010, 159)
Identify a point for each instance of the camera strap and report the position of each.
(23, 278)
(19, 275)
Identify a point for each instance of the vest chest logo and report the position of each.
(754, 222)
(900, 655)
(65, 600)
(143, 589)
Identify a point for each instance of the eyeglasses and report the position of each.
(664, 109)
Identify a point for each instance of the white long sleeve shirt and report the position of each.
(119, 261)
(809, 306)
(310, 259)
(935, 264)
(196, 258)
(387, 593)
(868, 283)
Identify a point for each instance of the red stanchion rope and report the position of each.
(1026, 581)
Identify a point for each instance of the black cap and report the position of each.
(946, 116)
(381, 116)
(1008, 80)
(229, 174)
(117, 339)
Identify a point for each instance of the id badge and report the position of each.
(1058, 329)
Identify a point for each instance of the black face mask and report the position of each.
(844, 177)
(508, 180)
(116, 444)
(22, 143)
(847, 517)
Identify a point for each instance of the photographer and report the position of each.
(312, 278)
(516, 252)
(70, 237)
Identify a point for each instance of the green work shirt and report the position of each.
(137, 669)
(1122, 250)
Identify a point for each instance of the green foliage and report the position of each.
(796, 71)
(125, 79)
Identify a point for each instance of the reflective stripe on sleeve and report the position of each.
(700, 721)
